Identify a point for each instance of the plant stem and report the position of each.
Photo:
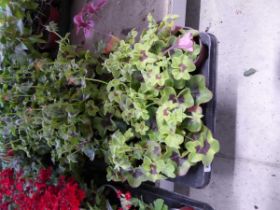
(154, 103)
(104, 186)
(96, 80)
(57, 34)
(189, 138)
(21, 95)
(168, 49)
(182, 91)
(189, 117)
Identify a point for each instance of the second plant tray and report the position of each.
(199, 176)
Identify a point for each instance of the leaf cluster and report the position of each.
(156, 97)
(140, 108)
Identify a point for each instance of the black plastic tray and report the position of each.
(197, 177)
(150, 193)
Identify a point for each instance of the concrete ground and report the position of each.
(246, 173)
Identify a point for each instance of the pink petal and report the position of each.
(100, 3)
(88, 32)
(78, 19)
(90, 8)
(186, 42)
(90, 24)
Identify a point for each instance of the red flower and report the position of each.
(38, 194)
(10, 153)
(128, 196)
(45, 174)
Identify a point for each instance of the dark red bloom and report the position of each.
(45, 174)
(10, 153)
(39, 194)
(128, 196)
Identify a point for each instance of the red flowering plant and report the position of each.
(40, 193)
(125, 201)
(109, 197)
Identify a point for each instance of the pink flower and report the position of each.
(85, 25)
(186, 42)
(95, 7)
(83, 20)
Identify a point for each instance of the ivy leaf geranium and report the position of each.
(181, 66)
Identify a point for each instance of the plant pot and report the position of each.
(172, 200)
(198, 176)
(202, 55)
(198, 40)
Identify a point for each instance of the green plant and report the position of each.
(48, 107)
(158, 204)
(141, 109)
(17, 52)
(104, 199)
(53, 106)
(17, 38)
(156, 99)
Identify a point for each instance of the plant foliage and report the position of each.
(156, 97)
(140, 108)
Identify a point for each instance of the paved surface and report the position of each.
(247, 173)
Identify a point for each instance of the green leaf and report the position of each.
(91, 108)
(136, 177)
(4, 3)
(174, 140)
(169, 169)
(159, 205)
(158, 46)
(181, 66)
(194, 121)
(72, 158)
(168, 93)
(89, 152)
(153, 149)
(200, 92)
(203, 147)
(184, 167)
